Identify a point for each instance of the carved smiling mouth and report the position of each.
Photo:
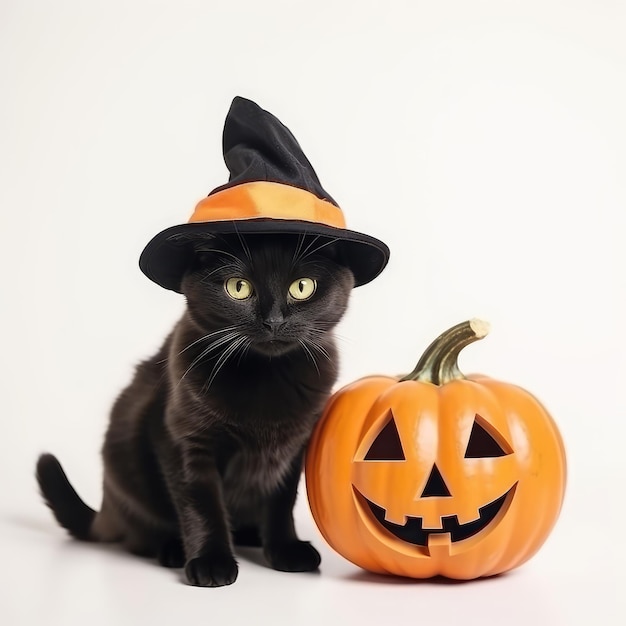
(413, 532)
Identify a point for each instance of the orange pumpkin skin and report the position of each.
(524, 485)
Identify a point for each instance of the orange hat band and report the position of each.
(265, 199)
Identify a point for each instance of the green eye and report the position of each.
(303, 288)
(238, 288)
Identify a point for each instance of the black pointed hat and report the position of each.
(272, 189)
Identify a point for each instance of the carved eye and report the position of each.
(303, 288)
(387, 445)
(238, 288)
(483, 444)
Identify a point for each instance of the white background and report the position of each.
(484, 141)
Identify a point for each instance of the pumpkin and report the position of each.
(436, 473)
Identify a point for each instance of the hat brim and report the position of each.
(169, 254)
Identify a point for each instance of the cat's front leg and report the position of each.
(281, 546)
(203, 521)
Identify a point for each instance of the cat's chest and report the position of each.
(260, 464)
(274, 395)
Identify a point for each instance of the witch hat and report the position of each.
(272, 189)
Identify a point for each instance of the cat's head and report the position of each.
(268, 294)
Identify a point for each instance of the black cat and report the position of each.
(205, 446)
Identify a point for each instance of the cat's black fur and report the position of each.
(205, 447)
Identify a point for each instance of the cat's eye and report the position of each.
(238, 288)
(303, 288)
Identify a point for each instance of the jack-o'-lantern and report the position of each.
(436, 473)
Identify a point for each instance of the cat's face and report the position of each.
(268, 294)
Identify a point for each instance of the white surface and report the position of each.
(574, 579)
(483, 141)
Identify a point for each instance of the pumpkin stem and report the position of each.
(438, 364)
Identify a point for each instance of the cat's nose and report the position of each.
(274, 322)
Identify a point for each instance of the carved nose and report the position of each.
(435, 485)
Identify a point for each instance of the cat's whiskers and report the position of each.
(238, 264)
(231, 336)
(244, 245)
(318, 333)
(296, 252)
(219, 251)
(309, 250)
(303, 252)
(208, 336)
(221, 268)
(223, 358)
(308, 352)
(319, 348)
(244, 351)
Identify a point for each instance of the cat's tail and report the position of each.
(70, 511)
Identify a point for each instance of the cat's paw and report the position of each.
(211, 570)
(295, 556)
(171, 554)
